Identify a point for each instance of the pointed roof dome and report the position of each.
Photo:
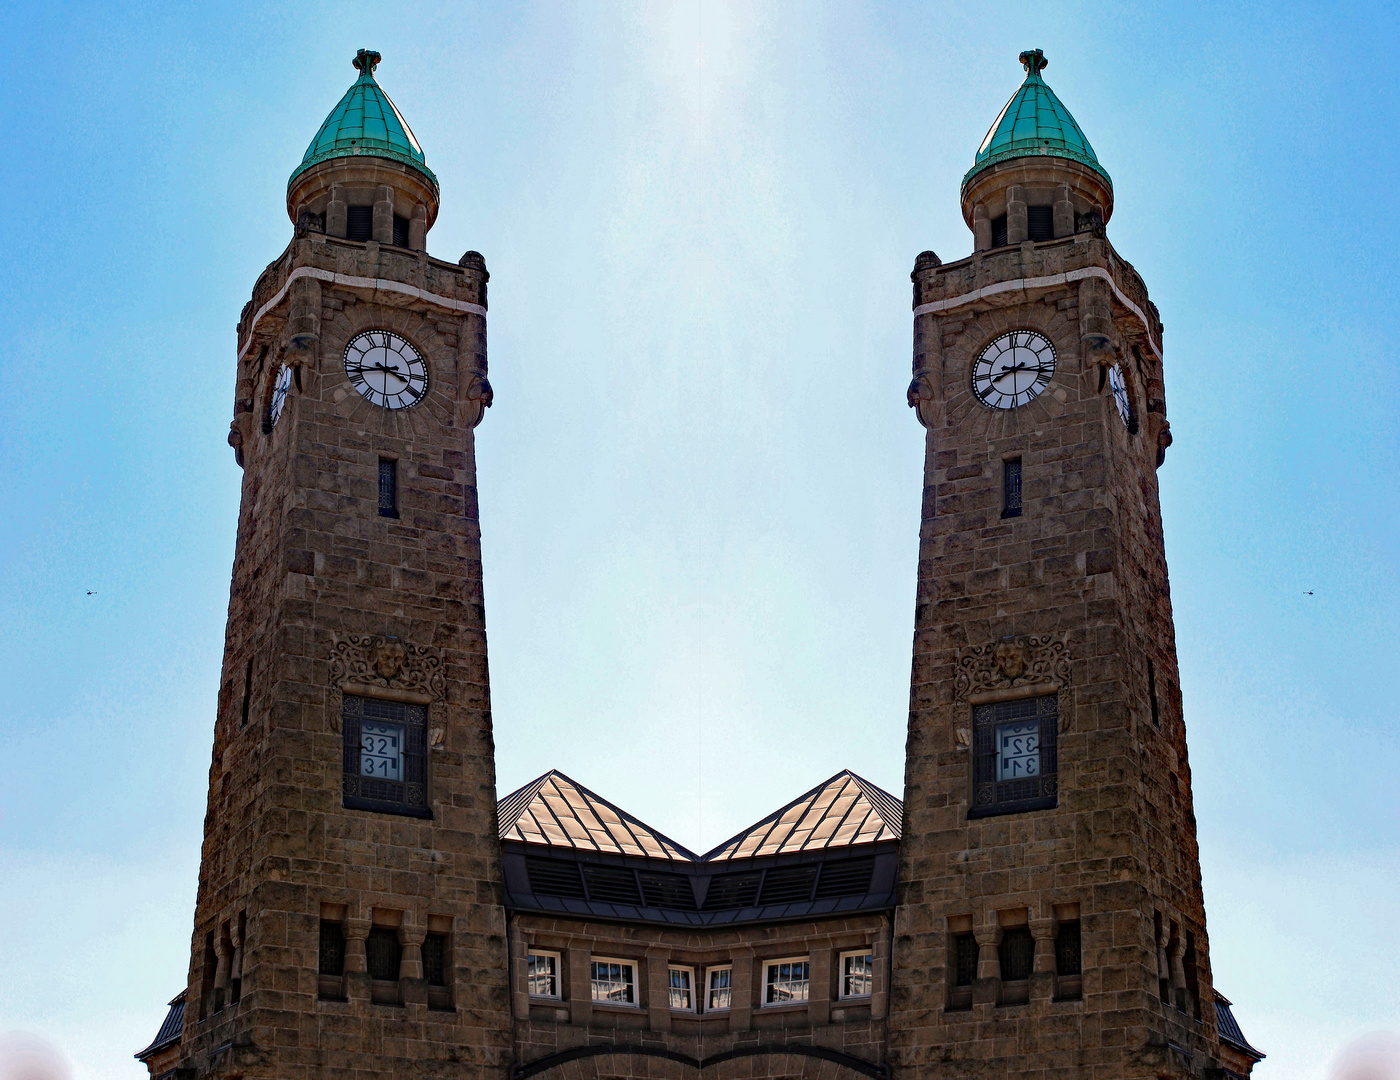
(1034, 122)
(365, 122)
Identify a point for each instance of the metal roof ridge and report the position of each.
(629, 820)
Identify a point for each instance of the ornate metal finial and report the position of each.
(366, 60)
(1033, 60)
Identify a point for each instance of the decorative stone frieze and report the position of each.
(360, 661)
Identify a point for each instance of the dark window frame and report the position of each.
(383, 954)
(388, 487)
(1012, 491)
(407, 797)
(1016, 954)
(991, 796)
(966, 954)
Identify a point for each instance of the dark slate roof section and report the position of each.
(555, 811)
(169, 1030)
(840, 812)
(1230, 1029)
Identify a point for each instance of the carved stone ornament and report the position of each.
(1021, 660)
(388, 662)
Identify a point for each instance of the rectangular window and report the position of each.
(964, 959)
(1067, 948)
(682, 989)
(1152, 693)
(1014, 756)
(857, 974)
(332, 951)
(385, 756)
(614, 982)
(718, 988)
(435, 959)
(1011, 488)
(1040, 223)
(383, 954)
(1016, 953)
(359, 222)
(400, 231)
(388, 488)
(542, 974)
(785, 982)
(999, 231)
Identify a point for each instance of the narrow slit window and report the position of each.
(247, 692)
(331, 960)
(400, 231)
(388, 488)
(1067, 949)
(1152, 693)
(435, 959)
(359, 222)
(1011, 488)
(999, 231)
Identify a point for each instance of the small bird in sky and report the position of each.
(1309, 593)
(91, 593)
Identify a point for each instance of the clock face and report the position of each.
(1119, 386)
(1013, 369)
(280, 386)
(386, 369)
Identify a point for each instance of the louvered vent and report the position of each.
(846, 877)
(999, 231)
(554, 877)
(732, 890)
(668, 891)
(359, 222)
(400, 231)
(1040, 222)
(611, 884)
(788, 884)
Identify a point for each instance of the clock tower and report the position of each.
(1050, 917)
(349, 916)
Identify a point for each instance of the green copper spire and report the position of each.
(365, 122)
(1034, 122)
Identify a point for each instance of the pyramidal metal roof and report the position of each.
(841, 812)
(365, 122)
(1034, 122)
(559, 812)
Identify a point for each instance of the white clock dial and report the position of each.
(1119, 386)
(1013, 369)
(280, 386)
(386, 369)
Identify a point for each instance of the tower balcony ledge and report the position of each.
(1010, 274)
(397, 275)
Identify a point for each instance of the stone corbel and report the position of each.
(475, 400)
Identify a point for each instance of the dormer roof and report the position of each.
(365, 123)
(1034, 123)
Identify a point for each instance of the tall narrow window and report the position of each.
(857, 974)
(436, 969)
(383, 954)
(247, 691)
(1040, 223)
(1016, 953)
(1152, 693)
(682, 992)
(964, 959)
(1011, 488)
(719, 982)
(1067, 949)
(388, 488)
(999, 231)
(332, 951)
(359, 222)
(400, 231)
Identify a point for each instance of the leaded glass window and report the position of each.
(1014, 756)
(385, 763)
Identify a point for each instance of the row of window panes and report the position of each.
(1016, 954)
(383, 954)
(785, 982)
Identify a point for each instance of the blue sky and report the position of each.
(700, 482)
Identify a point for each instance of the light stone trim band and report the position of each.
(1048, 282)
(380, 284)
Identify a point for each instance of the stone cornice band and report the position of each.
(1047, 282)
(378, 284)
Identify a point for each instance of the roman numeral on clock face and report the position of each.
(386, 370)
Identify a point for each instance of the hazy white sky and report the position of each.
(700, 483)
